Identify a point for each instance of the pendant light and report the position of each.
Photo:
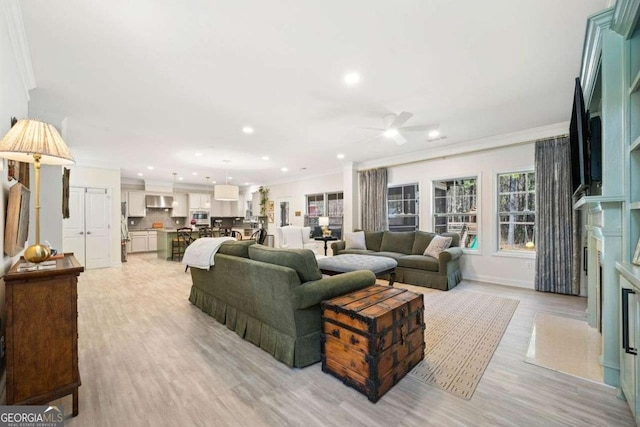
(175, 203)
(207, 205)
(226, 192)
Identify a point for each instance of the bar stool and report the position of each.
(205, 232)
(180, 243)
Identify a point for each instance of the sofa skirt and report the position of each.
(428, 279)
(295, 352)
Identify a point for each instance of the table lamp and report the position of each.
(323, 222)
(33, 141)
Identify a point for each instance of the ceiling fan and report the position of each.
(393, 127)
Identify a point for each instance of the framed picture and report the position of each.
(17, 220)
(636, 255)
(271, 211)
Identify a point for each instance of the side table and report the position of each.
(325, 239)
(42, 333)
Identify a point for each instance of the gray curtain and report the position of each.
(373, 199)
(557, 243)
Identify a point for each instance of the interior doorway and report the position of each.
(283, 212)
(87, 231)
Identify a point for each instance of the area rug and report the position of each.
(565, 345)
(463, 329)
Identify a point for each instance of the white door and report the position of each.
(87, 231)
(73, 227)
(97, 226)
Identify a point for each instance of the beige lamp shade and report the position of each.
(226, 192)
(323, 221)
(28, 137)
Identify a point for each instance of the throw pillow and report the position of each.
(354, 240)
(437, 245)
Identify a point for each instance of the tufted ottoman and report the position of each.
(379, 265)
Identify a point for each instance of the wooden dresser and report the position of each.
(42, 333)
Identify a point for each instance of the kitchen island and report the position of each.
(165, 239)
(166, 236)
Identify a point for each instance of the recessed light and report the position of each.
(140, 174)
(247, 129)
(434, 133)
(150, 168)
(340, 156)
(390, 133)
(230, 177)
(194, 173)
(213, 182)
(284, 169)
(180, 178)
(247, 183)
(352, 78)
(265, 157)
(198, 154)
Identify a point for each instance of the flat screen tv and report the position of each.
(578, 136)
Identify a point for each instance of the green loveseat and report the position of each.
(271, 297)
(407, 248)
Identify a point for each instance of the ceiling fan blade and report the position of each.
(401, 119)
(422, 128)
(399, 139)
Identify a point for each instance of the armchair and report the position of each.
(293, 237)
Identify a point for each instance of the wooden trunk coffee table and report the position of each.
(372, 337)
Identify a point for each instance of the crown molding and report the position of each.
(591, 50)
(472, 146)
(625, 17)
(18, 38)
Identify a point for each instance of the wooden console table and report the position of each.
(42, 333)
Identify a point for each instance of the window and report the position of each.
(402, 207)
(454, 209)
(516, 211)
(325, 204)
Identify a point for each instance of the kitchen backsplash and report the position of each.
(156, 215)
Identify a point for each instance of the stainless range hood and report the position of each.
(163, 202)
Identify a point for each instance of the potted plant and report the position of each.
(264, 199)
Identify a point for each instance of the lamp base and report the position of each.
(37, 253)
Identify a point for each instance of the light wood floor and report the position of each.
(150, 358)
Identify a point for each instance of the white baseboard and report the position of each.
(500, 281)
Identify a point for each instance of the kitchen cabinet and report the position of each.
(201, 201)
(216, 208)
(139, 241)
(152, 241)
(136, 205)
(180, 208)
(224, 208)
(630, 334)
(143, 241)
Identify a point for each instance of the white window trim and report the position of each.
(418, 205)
(496, 203)
(478, 177)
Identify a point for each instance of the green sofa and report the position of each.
(271, 297)
(407, 248)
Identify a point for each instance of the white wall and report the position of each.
(50, 206)
(484, 264)
(13, 102)
(109, 179)
(296, 191)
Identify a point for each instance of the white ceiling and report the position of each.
(152, 82)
